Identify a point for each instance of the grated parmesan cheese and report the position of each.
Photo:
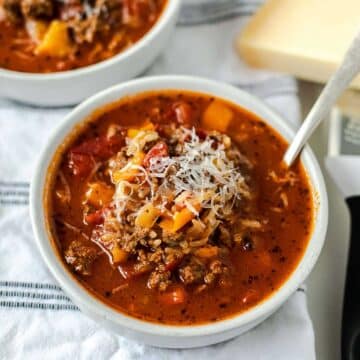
(202, 169)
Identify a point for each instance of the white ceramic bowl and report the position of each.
(71, 87)
(165, 335)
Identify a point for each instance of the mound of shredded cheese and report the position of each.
(202, 168)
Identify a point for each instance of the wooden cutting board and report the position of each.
(306, 38)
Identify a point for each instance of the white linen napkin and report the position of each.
(37, 320)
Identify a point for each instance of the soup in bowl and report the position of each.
(56, 53)
(42, 36)
(163, 206)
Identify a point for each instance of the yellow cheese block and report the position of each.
(306, 38)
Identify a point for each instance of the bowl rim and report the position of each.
(170, 10)
(95, 307)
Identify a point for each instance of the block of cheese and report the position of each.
(306, 38)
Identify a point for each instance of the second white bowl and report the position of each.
(71, 87)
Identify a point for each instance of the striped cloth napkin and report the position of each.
(37, 320)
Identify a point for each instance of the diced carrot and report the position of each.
(56, 41)
(122, 175)
(207, 252)
(167, 224)
(98, 194)
(118, 255)
(181, 218)
(132, 132)
(175, 296)
(147, 216)
(217, 116)
(128, 175)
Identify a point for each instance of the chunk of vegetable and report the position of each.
(147, 216)
(217, 116)
(118, 255)
(80, 164)
(98, 194)
(167, 225)
(128, 173)
(124, 175)
(183, 113)
(101, 147)
(181, 218)
(207, 252)
(158, 150)
(175, 296)
(82, 158)
(56, 41)
(95, 218)
(132, 132)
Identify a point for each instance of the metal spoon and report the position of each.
(340, 80)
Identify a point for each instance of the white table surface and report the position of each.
(326, 282)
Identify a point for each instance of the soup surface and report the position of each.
(41, 36)
(174, 207)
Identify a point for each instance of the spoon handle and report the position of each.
(337, 84)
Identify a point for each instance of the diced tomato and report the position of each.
(201, 133)
(80, 164)
(180, 112)
(82, 157)
(129, 270)
(100, 147)
(174, 296)
(95, 218)
(183, 113)
(158, 150)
